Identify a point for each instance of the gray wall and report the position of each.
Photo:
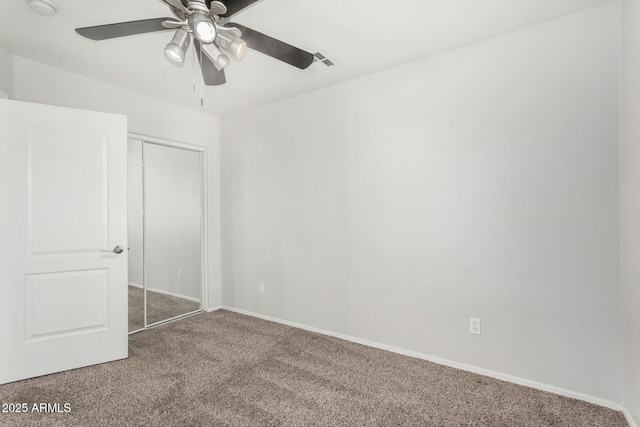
(630, 202)
(6, 71)
(478, 183)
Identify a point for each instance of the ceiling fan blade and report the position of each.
(274, 47)
(121, 29)
(210, 74)
(234, 6)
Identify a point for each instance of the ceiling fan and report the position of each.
(215, 38)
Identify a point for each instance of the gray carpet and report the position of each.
(225, 369)
(136, 308)
(159, 307)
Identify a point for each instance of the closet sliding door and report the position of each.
(172, 244)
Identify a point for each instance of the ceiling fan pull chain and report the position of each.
(201, 84)
(193, 64)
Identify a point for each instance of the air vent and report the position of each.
(321, 61)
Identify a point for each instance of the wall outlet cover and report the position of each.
(474, 326)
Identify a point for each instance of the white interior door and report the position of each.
(63, 210)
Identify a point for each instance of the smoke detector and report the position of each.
(43, 7)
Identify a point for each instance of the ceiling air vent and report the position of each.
(321, 62)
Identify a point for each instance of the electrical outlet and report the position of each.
(261, 288)
(180, 274)
(474, 326)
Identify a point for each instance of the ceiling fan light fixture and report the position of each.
(240, 48)
(173, 54)
(219, 59)
(202, 27)
(235, 46)
(176, 48)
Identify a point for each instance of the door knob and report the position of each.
(117, 250)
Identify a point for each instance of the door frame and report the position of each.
(204, 230)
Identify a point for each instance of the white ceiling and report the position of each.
(362, 36)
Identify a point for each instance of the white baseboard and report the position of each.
(216, 308)
(160, 291)
(445, 362)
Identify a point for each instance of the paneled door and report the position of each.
(63, 239)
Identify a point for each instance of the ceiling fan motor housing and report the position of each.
(198, 5)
